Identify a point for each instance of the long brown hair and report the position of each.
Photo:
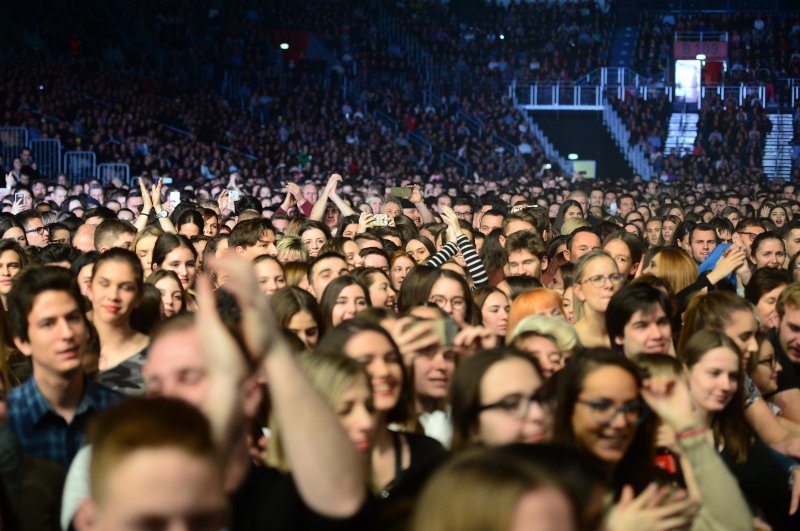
(729, 425)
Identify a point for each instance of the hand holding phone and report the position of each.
(402, 192)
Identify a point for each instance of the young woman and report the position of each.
(494, 307)
(297, 311)
(675, 266)
(345, 247)
(176, 253)
(379, 287)
(269, 273)
(550, 340)
(190, 223)
(767, 250)
(173, 296)
(314, 234)
(344, 384)
(779, 216)
(11, 230)
(401, 460)
(143, 247)
(495, 402)
(116, 289)
(399, 266)
(668, 227)
(763, 291)
(12, 259)
(597, 279)
(420, 249)
(713, 365)
(446, 289)
(342, 299)
(569, 209)
(626, 250)
(537, 301)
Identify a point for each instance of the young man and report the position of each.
(580, 242)
(114, 233)
(35, 231)
(702, 240)
(153, 465)
(48, 324)
(526, 254)
(253, 238)
(638, 321)
(323, 270)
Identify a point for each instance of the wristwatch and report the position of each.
(162, 214)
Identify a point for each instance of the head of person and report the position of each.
(114, 233)
(639, 320)
(550, 340)
(35, 230)
(400, 264)
(768, 250)
(345, 247)
(190, 223)
(154, 463)
(342, 299)
(569, 209)
(313, 234)
(779, 216)
(174, 299)
(297, 311)
(498, 489)
(675, 266)
(269, 274)
(714, 370)
(291, 249)
(600, 412)
(176, 253)
(495, 307)
(43, 296)
(746, 232)
(626, 249)
(12, 259)
(379, 287)
(10, 229)
(325, 268)
(526, 254)
(490, 220)
(536, 301)
(763, 291)
(116, 286)
(580, 242)
(702, 240)
(252, 238)
(344, 385)
(374, 348)
(420, 249)
(725, 312)
(494, 400)
(596, 280)
(788, 308)
(450, 292)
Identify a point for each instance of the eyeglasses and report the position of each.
(37, 230)
(751, 235)
(599, 281)
(603, 412)
(772, 362)
(457, 303)
(518, 405)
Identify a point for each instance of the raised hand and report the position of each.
(654, 509)
(365, 221)
(416, 194)
(147, 201)
(155, 194)
(669, 397)
(451, 220)
(333, 182)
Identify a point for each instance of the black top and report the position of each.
(268, 500)
(787, 378)
(765, 485)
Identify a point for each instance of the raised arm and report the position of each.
(424, 212)
(325, 466)
(155, 197)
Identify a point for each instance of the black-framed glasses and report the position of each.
(604, 412)
(599, 281)
(772, 362)
(38, 230)
(518, 405)
(458, 303)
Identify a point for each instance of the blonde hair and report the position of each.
(559, 330)
(790, 297)
(330, 376)
(291, 244)
(677, 267)
(573, 224)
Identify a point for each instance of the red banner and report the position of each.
(716, 51)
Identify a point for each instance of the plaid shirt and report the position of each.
(43, 432)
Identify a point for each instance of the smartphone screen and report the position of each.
(401, 191)
(175, 197)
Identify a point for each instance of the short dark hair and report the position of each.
(571, 237)
(57, 252)
(109, 230)
(526, 241)
(703, 227)
(629, 300)
(31, 282)
(247, 233)
(320, 258)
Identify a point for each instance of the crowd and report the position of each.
(347, 353)
(297, 316)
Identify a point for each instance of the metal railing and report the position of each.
(47, 154)
(12, 141)
(107, 172)
(549, 151)
(635, 155)
(701, 36)
(79, 165)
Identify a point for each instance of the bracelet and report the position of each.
(691, 432)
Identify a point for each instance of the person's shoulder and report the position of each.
(418, 442)
(104, 395)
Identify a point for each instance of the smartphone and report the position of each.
(19, 197)
(548, 166)
(381, 220)
(402, 192)
(445, 329)
(166, 180)
(234, 195)
(175, 198)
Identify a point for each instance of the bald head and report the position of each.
(84, 238)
